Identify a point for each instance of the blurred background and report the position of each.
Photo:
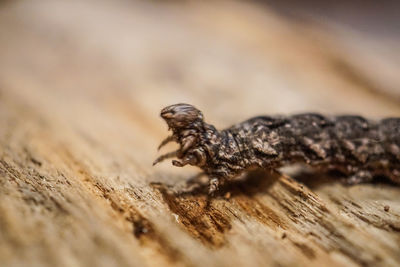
(81, 87)
(87, 62)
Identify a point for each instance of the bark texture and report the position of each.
(81, 86)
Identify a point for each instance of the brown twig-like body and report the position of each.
(359, 148)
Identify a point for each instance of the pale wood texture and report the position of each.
(81, 86)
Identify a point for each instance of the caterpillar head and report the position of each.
(186, 123)
(181, 116)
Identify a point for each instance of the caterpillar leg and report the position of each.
(189, 159)
(361, 176)
(213, 186)
(166, 156)
(394, 176)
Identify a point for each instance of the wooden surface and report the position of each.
(81, 86)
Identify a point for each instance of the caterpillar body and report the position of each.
(359, 148)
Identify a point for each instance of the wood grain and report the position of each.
(81, 85)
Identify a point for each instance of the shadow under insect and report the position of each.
(204, 216)
(250, 183)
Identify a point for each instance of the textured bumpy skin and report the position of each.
(357, 147)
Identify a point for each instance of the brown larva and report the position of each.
(357, 147)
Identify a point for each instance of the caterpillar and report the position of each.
(357, 147)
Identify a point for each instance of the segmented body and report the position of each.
(359, 148)
(353, 145)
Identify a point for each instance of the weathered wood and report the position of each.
(81, 85)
